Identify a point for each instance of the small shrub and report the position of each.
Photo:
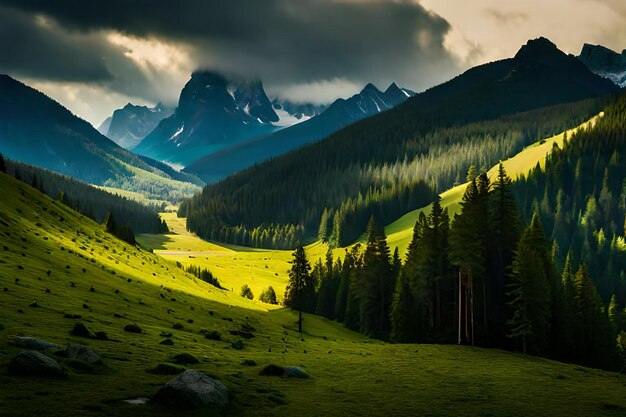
(268, 296)
(246, 292)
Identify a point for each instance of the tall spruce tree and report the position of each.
(504, 223)
(325, 226)
(568, 338)
(596, 339)
(300, 287)
(403, 312)
(376, 284)
(529, 298)
(466, 252)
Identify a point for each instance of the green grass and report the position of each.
(351, 375)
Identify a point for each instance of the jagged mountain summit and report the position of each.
(339, 114)
(213, 112)
(130, 124)
(605, 62)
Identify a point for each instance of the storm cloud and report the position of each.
(288, 44)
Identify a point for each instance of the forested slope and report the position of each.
(88, 200)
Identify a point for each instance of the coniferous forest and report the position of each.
(330, 189)
(536, 266)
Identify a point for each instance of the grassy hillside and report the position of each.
(47, 247)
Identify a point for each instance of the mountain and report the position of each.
(340, 113)
(213, 113)
(380, 164)
(130, 124)
(37, 130)
(104, 126)
(605, 62)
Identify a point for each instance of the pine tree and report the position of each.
(504, 224)
(329, 283)
(109, 223)
(403, 313)
(3, 166)
(349, 265)
(529, 298)
(466, 252)
(301, 285)
(596, 339)
(376, 284)
(568, 338)
(615, 314)
(324, 229)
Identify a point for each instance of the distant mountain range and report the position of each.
(605, 62)
(232, 120)
(37, 130)
(339, 114)
(213, 113)
(129, 125)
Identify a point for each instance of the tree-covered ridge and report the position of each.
(350, 179)
(88, 200)
(581, 199)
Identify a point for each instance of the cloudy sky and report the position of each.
(94, 57)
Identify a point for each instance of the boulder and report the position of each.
(213, 335)
(192, 390)
(184, 359)
(272, 370)
(287, 371)
(132, 328)
(33, 363)
(80, 330)
(82, 353)
(167, 342)
(295, 372)
(33, 343)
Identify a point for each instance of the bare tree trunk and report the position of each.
(300, 321)
(381, 319)
(465, 301)
(471, 291)
(459, 306)
(484, 306)
(438, 304)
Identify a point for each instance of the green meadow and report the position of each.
(58, 268)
